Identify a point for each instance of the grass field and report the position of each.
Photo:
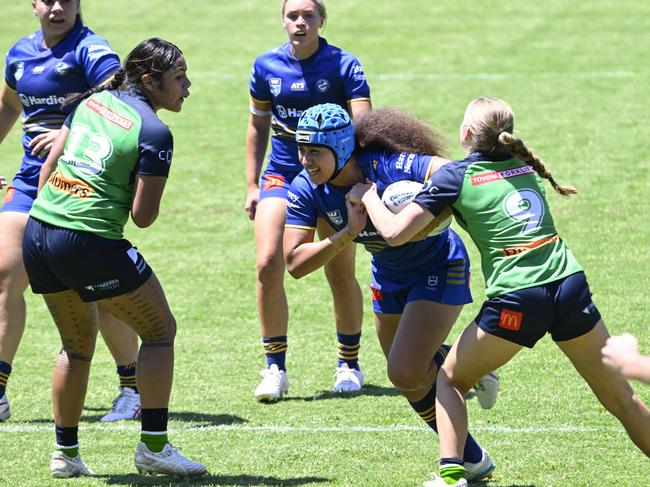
(577, 76)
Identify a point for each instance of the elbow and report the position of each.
(143, 220)
(295, 271)
(394, 240)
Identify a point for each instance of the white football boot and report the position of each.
(64, 467)
(4, 408)
(125, 406)
(347, 379)
(273, 386)
(481, 469)
(166, 462)
(487, 389)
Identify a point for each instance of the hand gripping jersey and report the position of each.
(113, 137)
(43, 77)
(502, 205)
(290, 85)
(393, 267)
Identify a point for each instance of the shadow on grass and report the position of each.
(200, 419)
(135, 479)
(368, 390)
(488, 483)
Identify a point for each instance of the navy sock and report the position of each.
(155, 420)
(127, 376)
(275, 349)
(67, 440)
(5, 372)
(348, 349)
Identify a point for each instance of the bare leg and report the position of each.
(13, 282)
(77, 324)
(346, 293)
(146, 311)
(612, 390)
(271, 297)
(120, 339)
(422, 330)
(474, 354)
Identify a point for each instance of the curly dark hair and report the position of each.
(397, 131)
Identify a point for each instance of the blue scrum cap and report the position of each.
(328, 125)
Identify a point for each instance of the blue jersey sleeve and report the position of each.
(156, 147)
(10, 70)
(442, 189)
(301, 207)
(355, 85)
(97, 59)
(258, 86)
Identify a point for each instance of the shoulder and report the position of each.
(346, 57)
(93, 46)
(272, 55)
(23, 45)
(152, 129)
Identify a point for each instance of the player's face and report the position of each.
(302, 21)
(173, 88)
(57, 17)
(319, 162)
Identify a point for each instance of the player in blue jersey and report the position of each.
(285, 81)
(418, 288)
(111, 159)
(534, 283)
(63, 57)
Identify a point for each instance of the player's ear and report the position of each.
(148, 83)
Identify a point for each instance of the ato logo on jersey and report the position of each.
(322, 85)
(275, 85)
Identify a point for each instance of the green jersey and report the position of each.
(502, 206)
(113, 137)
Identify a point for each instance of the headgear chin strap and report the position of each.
(330, 126)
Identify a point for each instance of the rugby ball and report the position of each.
(399, 194)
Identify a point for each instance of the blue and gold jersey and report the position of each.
(44, 77)
(307, 201)
(289, 86)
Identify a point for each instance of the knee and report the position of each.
(270, 269)
(340, 276)
(163, 334)
(445, 380)
(404, 377)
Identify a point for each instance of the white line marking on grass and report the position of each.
(28, 428)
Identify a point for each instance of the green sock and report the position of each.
(452, 473)
(71, 452)
(155, 443)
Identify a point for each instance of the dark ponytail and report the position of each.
(152, 56)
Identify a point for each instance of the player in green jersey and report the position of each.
(111, 159)
(534, 283)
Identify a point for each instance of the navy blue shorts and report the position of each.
(58, 259)
(562, 308)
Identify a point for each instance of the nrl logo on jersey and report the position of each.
(275, 85)
(335, 217)
(20, 69)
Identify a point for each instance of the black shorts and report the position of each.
(562, 308)
(58, 259)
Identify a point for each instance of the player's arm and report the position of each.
(257, 138)
(303, 256)
(146, 199)
(53, 157)
(396, 229)
(10, 109)
(359, 106)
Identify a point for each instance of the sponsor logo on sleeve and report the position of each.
(109, 114)
(96, 51)
(490, 177)
(510, 320)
